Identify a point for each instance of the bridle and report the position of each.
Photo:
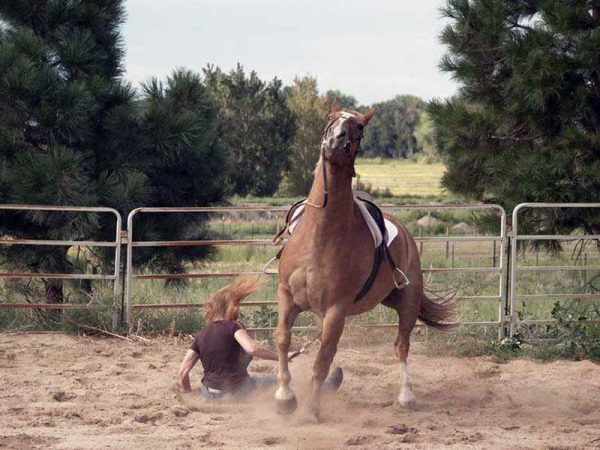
(341, 115)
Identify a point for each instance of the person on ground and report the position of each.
(225, 348)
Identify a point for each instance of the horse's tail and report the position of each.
(433, 313)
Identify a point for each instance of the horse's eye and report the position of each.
(360, 126)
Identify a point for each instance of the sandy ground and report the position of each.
(68, 392)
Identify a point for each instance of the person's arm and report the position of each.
(252, 347)
(189, 361)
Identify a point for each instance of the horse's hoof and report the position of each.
(286, 406)
(407, 400)
(309, 418)
(410, 405)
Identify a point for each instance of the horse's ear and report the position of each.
(335, 106)
(368, 116)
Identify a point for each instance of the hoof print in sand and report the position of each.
(273, 441)
(61, 396)
(181, 412)
(409, 434)
(148, 418)
(361, 439)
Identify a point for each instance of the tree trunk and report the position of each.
(54, 291)
(54, 294)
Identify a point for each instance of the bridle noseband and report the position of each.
(342, 115)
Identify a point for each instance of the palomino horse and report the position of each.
(329, 256)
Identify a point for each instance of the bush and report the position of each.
(579, 338)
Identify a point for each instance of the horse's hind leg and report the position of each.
(288, 311)
(407, 304)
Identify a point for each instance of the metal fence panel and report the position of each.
(500, 270)
(116, 244)
(515, 268)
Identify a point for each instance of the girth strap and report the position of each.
(379, 251)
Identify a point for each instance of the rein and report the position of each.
(326, 193)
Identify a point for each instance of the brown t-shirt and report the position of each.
(221, 355)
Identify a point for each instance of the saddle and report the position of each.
(382, 231)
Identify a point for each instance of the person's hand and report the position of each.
(181, 388)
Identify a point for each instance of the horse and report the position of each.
(327, 259)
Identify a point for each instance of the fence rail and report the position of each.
(505, 263)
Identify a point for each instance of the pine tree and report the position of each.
(58, 61)
(526, 123)
(184, 165)
(73, 132)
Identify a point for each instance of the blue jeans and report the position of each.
(246, 387)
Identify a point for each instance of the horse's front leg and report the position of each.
(285, 399)
(333, 326)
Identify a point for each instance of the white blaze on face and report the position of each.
(338, 135)
(338, 129)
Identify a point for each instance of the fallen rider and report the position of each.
(225, 349)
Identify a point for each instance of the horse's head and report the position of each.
(342, 135)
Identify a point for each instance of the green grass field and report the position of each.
(397, 181)
(400, 177)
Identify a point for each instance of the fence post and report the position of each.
(504, 307)
(118, 288)
(585, 277)
(129, 269)
(447, 242)
(514, 249)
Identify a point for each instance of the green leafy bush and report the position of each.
(579, 336)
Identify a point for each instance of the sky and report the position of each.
(371, 49)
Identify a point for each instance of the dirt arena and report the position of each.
(68, 392)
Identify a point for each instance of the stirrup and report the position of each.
(399, 285)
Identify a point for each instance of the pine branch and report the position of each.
(515, 24)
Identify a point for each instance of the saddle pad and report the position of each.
(391, 229)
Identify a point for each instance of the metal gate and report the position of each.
(114, 277)
(516, 269)
(499, 268)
